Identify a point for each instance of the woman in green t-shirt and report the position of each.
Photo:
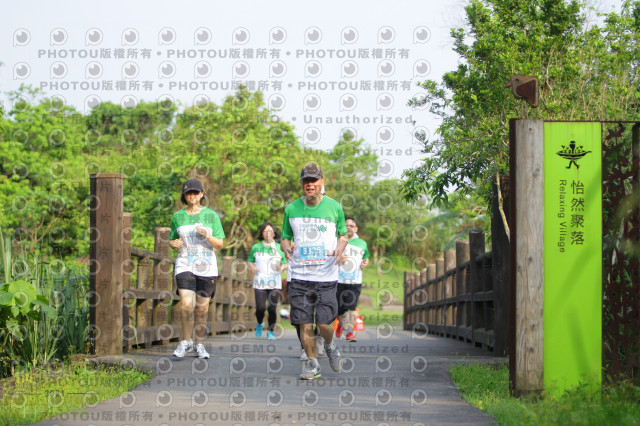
(196, 232)
(267, 261)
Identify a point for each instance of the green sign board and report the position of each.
(572, 255)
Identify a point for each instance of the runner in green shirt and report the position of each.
(316, 223)
(355, 259)
(267, 261)
(196, 231)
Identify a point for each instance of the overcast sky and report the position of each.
(323, 66)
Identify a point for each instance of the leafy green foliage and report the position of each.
(487, 387)
(586, 72)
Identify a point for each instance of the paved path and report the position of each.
(390, 377)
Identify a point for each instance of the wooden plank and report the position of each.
(151, 255)
(529, 261)
(162, 274)
(134, 293)
(105, 267)
(500, 265)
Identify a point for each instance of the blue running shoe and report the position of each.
(259, 330)
(270, 335)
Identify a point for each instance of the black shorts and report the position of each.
(202, 286)
(312, 300)
(348, 295)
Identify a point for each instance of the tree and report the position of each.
(586, 73)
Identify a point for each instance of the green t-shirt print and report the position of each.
(196, 254)
(315, 230)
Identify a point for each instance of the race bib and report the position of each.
(312, 254)
(347, 275)
(268, 282)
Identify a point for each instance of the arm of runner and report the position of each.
(176, 244)
(287, 249)
(216, 243)
(342, 243)
(364, 264)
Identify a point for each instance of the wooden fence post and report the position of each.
(526, 361)
(476, 248)
(462, 256)
(106, 254)
(431, 295)
(439, 329)
(126, 269)
(500, 264)
(162, 272)
(449, 282)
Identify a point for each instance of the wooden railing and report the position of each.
(146, 310)
(456, 297)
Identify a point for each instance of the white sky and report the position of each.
(39, 38)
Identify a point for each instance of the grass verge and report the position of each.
(487, 388)
(35, 395)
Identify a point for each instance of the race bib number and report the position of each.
(199, 257)
(347, 275)
(312, 255)
(267, 282)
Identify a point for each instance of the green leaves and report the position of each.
(585, 73)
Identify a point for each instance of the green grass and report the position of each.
(487, 387)
(35, 395)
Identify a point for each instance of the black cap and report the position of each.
(311, 171)
(192, 185)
